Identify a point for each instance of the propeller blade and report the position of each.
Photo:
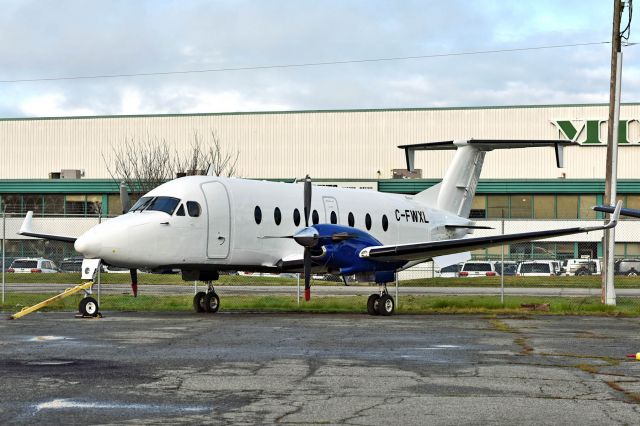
(307, 200)
(307, 273)
(124, 197)
(134, 281)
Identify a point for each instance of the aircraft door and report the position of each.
(219, 220)
(330, 205)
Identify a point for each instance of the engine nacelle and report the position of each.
(338, 249)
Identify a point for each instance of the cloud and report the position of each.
(77, 38)
(50, 105)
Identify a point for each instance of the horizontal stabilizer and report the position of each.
(484, 145)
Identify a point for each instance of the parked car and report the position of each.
(450, 271)
(478, 269)
(629, 267)
(537, 268)
(28, 265)
(510, 268)
(581, 267)
(71, 264)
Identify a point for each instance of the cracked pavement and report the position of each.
(229, 368)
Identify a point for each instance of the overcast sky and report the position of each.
(49, 39)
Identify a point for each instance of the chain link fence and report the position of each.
(34, 269)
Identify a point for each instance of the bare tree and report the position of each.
(142, 165)
(222, 162)
(208, 157)
(146, 164)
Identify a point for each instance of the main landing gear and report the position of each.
(381, 304)
(207, 302)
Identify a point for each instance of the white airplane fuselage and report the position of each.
(225, 234)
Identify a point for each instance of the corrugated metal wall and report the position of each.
(331, 144)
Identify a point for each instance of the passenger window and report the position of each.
(257, 214)
(352, 220)
(193, 208)
(277, 216)
(367, 221)
(334, 218)
(315, 218)
(385, 222)
(180, 211)
(296, 217)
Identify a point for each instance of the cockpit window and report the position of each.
(141, 204)
(180, 211)
(164, 204)
(193, 208)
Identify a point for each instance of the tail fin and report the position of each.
(455, 193)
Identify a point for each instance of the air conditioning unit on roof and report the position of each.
(71, 174)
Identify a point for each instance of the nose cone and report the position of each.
(88, 245)
(307, 237)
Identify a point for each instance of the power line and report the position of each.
(301, 65)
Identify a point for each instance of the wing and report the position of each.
(27, 231)
(623, 211)
(427, 250)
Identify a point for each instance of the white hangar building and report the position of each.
(355, 148)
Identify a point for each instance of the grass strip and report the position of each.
(341, 304)
(173, 279)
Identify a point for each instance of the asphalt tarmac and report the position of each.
(187, 368)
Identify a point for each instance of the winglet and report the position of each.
(27, 224)
(614, 217)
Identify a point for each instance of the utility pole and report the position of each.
(608, 290)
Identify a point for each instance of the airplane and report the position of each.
(203, 225)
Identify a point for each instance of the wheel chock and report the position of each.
(68, 292)
(98, 315)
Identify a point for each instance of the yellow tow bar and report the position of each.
(68, 292)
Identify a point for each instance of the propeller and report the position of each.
(124, 200)
(307, 238)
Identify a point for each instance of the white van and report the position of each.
(476, 268)
(30, 265)
(537, 268)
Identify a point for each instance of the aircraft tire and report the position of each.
(372, 304)
(89, 307)
(198, 301)
(386, 305)
(211, 302)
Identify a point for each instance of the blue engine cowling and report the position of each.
(338, 249)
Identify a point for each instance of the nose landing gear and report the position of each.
(381, 304)
(88, 307)
(207, 302)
